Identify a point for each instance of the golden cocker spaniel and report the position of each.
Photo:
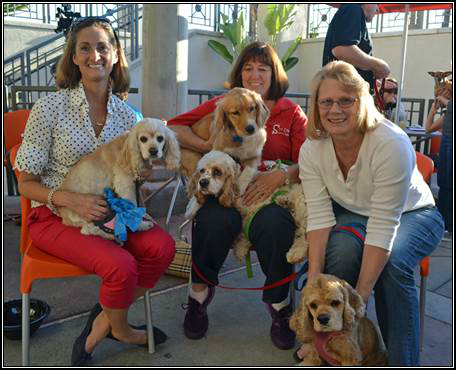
(117, 165)
(216, 175)
(331, 325)
(237, 128)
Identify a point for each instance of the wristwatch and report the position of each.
(287, 176)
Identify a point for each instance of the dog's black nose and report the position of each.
(204, 183)
(323, 319)
(153, 151)
(250, 129)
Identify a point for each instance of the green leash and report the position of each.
(246, 230)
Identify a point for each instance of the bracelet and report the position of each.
(49, 198)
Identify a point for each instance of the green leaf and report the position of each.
(289, 63)
(221, 50)
(292, 48)
(10, 8)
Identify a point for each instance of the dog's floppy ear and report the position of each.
(192, 184)
(192, 190)
(301, 322)
(354, 306)
(230, 188)
(219, 117)
(172, 150)
(262, 111)
(130, 156)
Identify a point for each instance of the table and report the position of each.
(418, 136)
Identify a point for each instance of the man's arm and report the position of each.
(354, 55)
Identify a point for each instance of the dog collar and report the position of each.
(321, 339)
(237, 139)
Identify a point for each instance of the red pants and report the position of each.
(139, 263)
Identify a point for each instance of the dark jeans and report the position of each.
(445, 181)
(215, 228)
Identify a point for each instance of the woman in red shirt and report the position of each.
(258, 68)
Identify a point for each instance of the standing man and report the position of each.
(348, 40)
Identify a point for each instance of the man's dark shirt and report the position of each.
(348, 27)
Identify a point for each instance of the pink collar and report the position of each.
(321, 338)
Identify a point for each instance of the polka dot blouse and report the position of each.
(59, 132)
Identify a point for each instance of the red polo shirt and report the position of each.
(285, 127)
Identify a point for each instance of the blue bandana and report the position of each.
(127, 214)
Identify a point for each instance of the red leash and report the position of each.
(266, 287)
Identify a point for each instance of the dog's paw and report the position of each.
(296, 255)
(145, 225)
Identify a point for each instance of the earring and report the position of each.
(318, 132)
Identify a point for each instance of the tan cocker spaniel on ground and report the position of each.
(237, 128)
(331, 325)
(216, 175)
(117, 165)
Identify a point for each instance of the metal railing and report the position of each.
(24, 97)
(414, 107)
(301, 99)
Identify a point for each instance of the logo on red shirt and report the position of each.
(277, 130)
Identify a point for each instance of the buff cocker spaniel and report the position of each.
(332, 328)
(216, 175)
(117, 165)
(236, 127)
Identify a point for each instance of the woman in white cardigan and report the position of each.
(372, 217)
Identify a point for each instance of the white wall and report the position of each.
(18, 35)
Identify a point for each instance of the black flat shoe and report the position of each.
(79, 357)
(159, 335)
(296, 357)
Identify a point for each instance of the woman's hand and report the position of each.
(263, 186)
(90, 207)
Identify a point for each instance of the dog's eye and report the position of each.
(216, 172)
(313, 305)
(236, 113)
(160, 138)
(335, 303)
(202, 170)
(251, 109)
(143, 139)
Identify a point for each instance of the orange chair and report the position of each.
(37, 264)
(426, 167)
(435, 148)
(13, 127)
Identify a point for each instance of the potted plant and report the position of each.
(278, 19)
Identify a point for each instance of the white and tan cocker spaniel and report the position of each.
(332, 328)
(237, 128)
(117, 165)
(216, 175)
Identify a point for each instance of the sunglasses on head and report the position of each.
(82, 22)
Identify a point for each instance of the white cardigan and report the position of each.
(382, 184)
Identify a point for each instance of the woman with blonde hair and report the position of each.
(359, 173)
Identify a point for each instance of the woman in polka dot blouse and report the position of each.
(86, 112)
